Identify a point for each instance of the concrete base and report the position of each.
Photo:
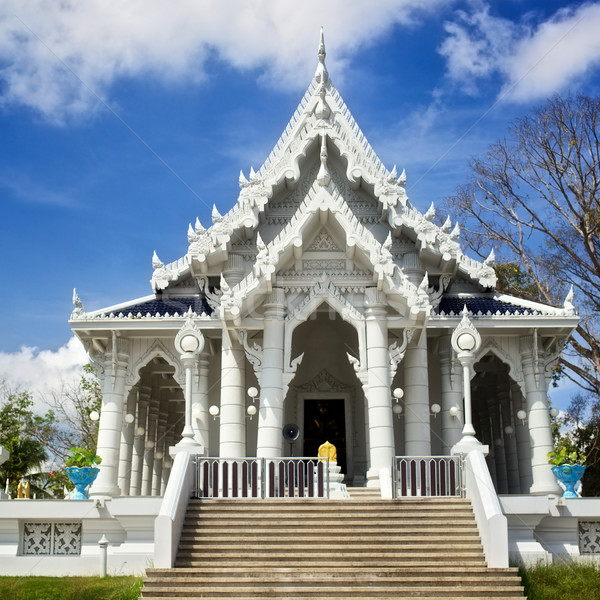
(546, 528)
(337, 489)
(128, 523)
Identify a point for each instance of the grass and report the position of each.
(542, 582)
(561, 580)
(70, 588)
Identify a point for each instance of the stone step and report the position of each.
(312, 507)
(333, 519)
(297, 546)
(304, 579)
(420, 594)
(340, 570)
(333, 508)
(307, 561)
(363, 549)
(327, 532)
(269, 563)
(349, 591)
(327, 537)
(341, 525)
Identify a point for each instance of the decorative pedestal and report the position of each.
(82, 477)
(569, 475)
(337, 489)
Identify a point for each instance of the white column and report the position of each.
(127, 436)
(540, 429)
(157, 467)
(167, 459)
(232, 437)
(523, 445)
(141, 423)
(200, 416)
(150, 441)
(451, 391)
(270, 416)
(417, 431)
(498, 443)
(510, 444)
(189, 361)
(111, 419)
(379, 397)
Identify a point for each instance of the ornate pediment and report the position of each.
(323, 242)
(324, 382)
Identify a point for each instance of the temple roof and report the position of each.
(320, 170)
(487, 305)
(322, 119)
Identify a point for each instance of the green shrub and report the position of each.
(561, 580)
(70, 588)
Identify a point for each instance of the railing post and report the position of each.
(427, 476)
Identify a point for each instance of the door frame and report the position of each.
(302, 396)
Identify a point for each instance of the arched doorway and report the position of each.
(326, 399)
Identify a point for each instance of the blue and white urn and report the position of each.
(569, 475)
(82, 477)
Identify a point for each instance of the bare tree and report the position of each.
(535, 198)
(70, 409)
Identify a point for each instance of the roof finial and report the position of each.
(323, 176)
(321, 74)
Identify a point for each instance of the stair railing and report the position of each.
(427, 476)
(250, 477)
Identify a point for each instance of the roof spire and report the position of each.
(321, 74)
(323, 176)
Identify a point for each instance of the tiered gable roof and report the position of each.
(321, 118)
(322, 175)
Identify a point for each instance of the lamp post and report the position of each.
(466, 341)
(189, 342)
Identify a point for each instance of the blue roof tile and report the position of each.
(169, 305)
(477, 304)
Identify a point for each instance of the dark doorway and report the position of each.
(325, 421)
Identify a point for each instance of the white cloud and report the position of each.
(534, 61)
(42, 371)
(103, 40)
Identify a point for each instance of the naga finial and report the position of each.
(321, 73)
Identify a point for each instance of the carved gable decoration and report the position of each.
(323, 243)
(324, 382)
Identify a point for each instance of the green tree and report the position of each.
(28, 454)
(39, 444)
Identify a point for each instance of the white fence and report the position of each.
(427, 476)
(304, 477)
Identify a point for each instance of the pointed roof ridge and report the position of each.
(378, 253)
(321, 114)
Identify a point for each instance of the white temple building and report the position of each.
(325, 289)
(325, 299)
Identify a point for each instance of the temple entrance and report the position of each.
(325, 421)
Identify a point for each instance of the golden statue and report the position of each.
(329, 451)
(23, 489)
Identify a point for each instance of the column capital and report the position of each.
(375, 298)
(445, 347)
(275, 304)
(527, 346)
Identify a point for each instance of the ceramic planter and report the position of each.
(82, 477)
(569, 475)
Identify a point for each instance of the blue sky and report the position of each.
(122, 123)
